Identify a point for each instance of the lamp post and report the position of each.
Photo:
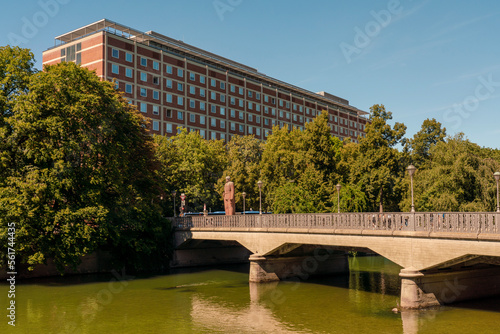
(244, 194)
(411, 170)
(338, 186)
(174, 193)
(260, 196)
(497, 178)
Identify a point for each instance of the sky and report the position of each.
(419, 58)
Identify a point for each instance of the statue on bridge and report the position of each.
(229, 205)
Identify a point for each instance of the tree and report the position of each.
(458, 176)
(429, 135)
(244, 154)
(16, 69)
(375, 163)
(84, 175)
(192, 165)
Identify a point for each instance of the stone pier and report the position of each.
(269, 268)
(426, 289)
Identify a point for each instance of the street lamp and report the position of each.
(411, 170)
(174, 193)
(338, 186)
(497, 177)
(244, 194)
(260, 196)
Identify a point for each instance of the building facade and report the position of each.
(178, 85)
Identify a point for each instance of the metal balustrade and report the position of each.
(431, 222)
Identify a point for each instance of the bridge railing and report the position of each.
(449, 222)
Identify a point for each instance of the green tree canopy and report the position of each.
(84, 170)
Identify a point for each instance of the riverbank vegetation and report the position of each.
(79, 172)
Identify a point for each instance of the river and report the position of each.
(220, 300)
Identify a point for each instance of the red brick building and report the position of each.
(178, 85)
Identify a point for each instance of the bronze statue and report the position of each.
(229, 205)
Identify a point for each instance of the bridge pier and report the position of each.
(426, 289)
(271, 268)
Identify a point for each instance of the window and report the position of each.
(213, 96)
(192, 90)
(241, 128)
(266, 110)
(156, 65)
(287, 115)
(180, 115)
(232, 100)
(288, 105)
(169, 128)
(144, 76)
(169, 98)
(250, 130)
(192, 118)
(266, 121)
(232, 126)
(169, 69)
(202, 119)
(144, 107)
(273, 111)
(115, 53)
(223, 98)
(156, 110)
(301, 108)
(223, 136)
(180, 87)
(281, 113)
(257, 131)
(241, 115)
(213, 122)
(294, 118)
(128, 88)
(222, 85)
(202, 79)
(222, 124)
(222, 111)
(156, 95)
(202, 92)
(273, 100)
(294, 107)
(257, 96)
(144, 62)
(144, 92)
(250, 117)
(128, 72)
(192, 76)
(266, 98)
(192, 103)
(232, 113)
(202, 133)
(169, 83)
(180, 100)
(213, 135)
(115, 69)
(232, 88)
(240, 103)
(257, 119)
(156, 80)
(156, 126)
(250, 93)
(213, 109)
(257, 107)
(240, 90)
(281, 103)
(250, 105)
(128, 57)
(212, 82)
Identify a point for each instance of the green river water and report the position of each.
(221, 300)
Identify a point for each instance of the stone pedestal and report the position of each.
(422, 290)
(269, 269)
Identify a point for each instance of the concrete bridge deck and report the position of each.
(437, 251)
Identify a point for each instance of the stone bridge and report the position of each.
(445, 257)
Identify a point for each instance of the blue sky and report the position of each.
(420, 58)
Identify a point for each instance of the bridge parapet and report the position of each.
(479, 224)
